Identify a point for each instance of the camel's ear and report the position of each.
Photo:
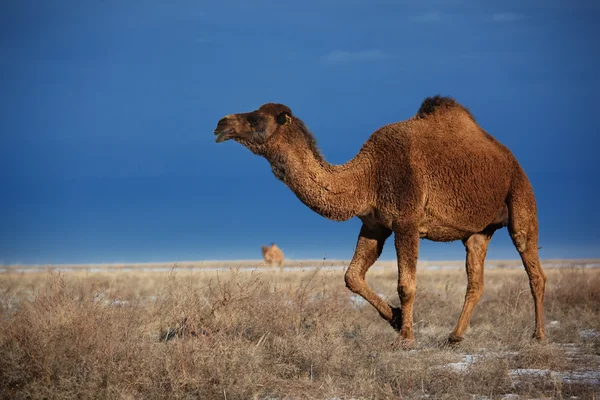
(284, 118)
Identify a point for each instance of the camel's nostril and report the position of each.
(222, 126)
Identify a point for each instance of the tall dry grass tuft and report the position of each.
(239, 335)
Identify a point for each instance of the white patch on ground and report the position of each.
(116, 302)
(511, 396)
(583, 377)
(571, 377)
(542, 373)
(358, 301)
(571, 349)
(588, 333)
(554, 324)
(462, 366)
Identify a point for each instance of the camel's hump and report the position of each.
(438, 103)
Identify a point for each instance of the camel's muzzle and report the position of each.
(224, 135)
(224, 131)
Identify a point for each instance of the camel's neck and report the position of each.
(337, 192)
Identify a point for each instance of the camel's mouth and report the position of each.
(224, 135)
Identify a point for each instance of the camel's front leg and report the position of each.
(407, 249)
(368, 249)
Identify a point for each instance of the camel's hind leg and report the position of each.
(476, 246)
(523, 229)
(368, 249)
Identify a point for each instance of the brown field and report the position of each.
(297, 334)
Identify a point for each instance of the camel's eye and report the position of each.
(253, 120)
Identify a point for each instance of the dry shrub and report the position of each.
(290, 335)
(542, 356)
(576, 288)
(485, 376)
(63, 339)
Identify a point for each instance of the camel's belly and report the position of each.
(439, 233)
(434, 229)
(437, 229)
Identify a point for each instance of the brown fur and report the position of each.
(432, 104)
(273, 255)
(437, 176)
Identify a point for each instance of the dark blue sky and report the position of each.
(107, 110)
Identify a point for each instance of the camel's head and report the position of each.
(267, 248)
(253, 129)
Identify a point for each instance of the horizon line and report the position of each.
(288, 262)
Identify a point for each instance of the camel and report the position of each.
(273, 255)
(437, 175)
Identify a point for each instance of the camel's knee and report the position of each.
(538, 282)
(475, 290)
(540, 279)
(544, 278)
(406, 291)
(353, 281)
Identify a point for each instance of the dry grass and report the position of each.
(290, 335)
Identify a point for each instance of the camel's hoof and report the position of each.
(404, 343)
(396, 321)
(541, 338)
(454, 340)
